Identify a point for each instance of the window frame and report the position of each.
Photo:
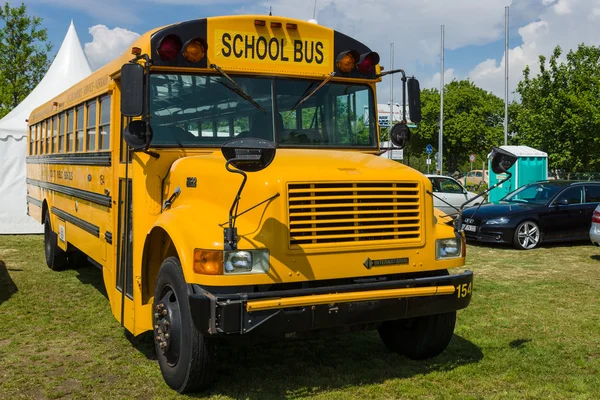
(93, 127)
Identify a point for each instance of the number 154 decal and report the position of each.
(464, 290)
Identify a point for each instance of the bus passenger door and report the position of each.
(124, 306)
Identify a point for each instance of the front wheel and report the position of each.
(419, 338)
(527, 236)
(187, 360)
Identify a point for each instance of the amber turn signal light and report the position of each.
(346, 60)
(136, 51)
(195, 50)
(208, 262)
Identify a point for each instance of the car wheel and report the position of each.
(527, 236)
(187, 360)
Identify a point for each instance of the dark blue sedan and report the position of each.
(544, 211)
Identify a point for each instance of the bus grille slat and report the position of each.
(352, 213)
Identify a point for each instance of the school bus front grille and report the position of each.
(322, 214)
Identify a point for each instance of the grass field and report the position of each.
(532, 331)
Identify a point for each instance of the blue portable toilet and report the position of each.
(531, 166)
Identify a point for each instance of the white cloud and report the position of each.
(107, 44)
(434, 81)
(567, 23)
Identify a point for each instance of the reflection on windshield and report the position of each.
(191, 110)
(532, 194)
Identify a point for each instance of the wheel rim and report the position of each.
(167, 325)
(528, 235)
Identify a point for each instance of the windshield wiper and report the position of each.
(308, 96)
(237, 88)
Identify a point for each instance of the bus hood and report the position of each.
(381, 197)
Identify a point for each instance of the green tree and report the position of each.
(473, 122)
(559, 111)
(23, 55)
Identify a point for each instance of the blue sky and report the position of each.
(474, 29)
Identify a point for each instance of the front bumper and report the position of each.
(491, 234)
(279, 313)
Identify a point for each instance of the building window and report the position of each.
(70, 123)
(104, 127)
(79, 129)
(90, 131)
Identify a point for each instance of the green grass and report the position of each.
(532, 331)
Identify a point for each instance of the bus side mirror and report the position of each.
(414, 100)
(137, 135)
(502, 160)
(132, 90)
(400, 135)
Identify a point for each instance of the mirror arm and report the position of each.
(231, 231)
(487, 190)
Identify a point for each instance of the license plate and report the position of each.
(470, 228)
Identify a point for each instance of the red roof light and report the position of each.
(169, 47)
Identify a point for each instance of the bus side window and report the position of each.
(79, 128)
(289, 120)
(90, 131)
(70, 115)
(206, 128)
(54, 134)
(104, 127)
(46, 126)
(240, 124)
(61, 133)
(38, 132)
(31, 139)
(223, 128)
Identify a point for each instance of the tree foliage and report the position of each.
(559, 111)
(473, 122)
(23, 55)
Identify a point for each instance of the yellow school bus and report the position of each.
(224, 174)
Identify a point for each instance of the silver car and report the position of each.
(449, 190)
(595, 228)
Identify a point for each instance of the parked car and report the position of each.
(595, 228)
(476, 177)
(545, 211)
(450, 191)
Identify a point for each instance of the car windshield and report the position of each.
(538, 193)
(196, 110)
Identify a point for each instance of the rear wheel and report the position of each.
(419, 338)
(527, 236)
(186, 358)
(56, 258)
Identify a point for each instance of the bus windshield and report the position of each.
(195, 110)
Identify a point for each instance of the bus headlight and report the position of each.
(447, 248)
(246, 261)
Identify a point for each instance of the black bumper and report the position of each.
(491, 234)
(225, 315)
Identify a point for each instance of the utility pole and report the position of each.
(391, 87)
(505, 75)
(441, 137)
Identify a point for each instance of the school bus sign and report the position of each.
(268, 48)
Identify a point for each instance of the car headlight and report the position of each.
(497, 221)
(448, 248)
(246, 261)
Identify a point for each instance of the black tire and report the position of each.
(527, 236)
(56, 258)
(187, 360)
(419, 338)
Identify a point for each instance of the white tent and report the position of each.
(69, 67)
